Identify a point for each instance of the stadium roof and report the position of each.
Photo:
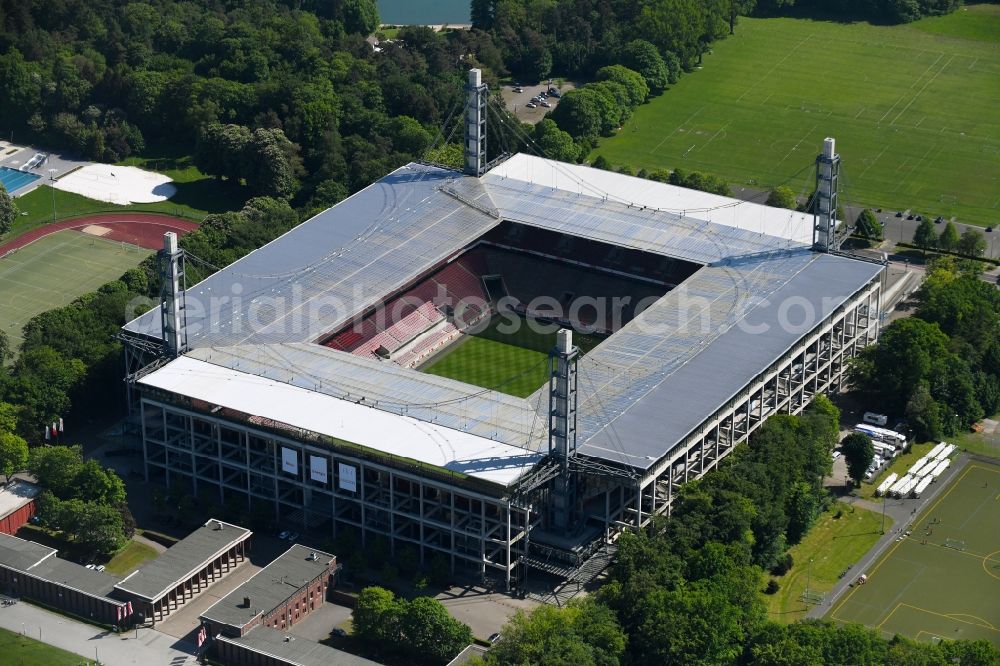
(642, 390)
(362, 424)
(271, 586)
(288, 649)
(576, 179)
(183, 559)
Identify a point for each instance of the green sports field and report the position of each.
(54, 270)
(514, 362)
(913, 108)
(943, 581)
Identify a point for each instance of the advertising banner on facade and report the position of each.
(317, 469)
(348, 477)
(289, 461)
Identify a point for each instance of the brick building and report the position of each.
(279, 595)
(17, 505)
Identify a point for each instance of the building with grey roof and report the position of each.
(185, 569)
(282, 383)
(33, 571)
(279, 595)
(271, 647)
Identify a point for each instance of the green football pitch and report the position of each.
(943, 580)
(913, 109)
(54, 270)
(509, 355)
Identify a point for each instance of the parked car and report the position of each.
(546, 105)
(518, 89)
(531, 105)
(554, 92)
(99, 567)
(293, 536)
(284, 535)
(494, 638)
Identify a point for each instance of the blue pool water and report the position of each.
(14, 180)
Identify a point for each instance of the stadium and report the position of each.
(506, 366)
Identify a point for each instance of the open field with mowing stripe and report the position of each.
(943, 581)
(52, 271)
(913, 109)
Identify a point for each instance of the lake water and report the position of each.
(422, 12)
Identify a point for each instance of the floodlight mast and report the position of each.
(172, 290)
(826, 204)
(475, 124)
(562, 428)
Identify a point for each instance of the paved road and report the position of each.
(151, 648)
(904, 513)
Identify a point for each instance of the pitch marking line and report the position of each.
(767, 74)
(689, 119)
(922, 89)
(915, 81)
(926, 514)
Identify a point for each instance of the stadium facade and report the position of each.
(292, 377)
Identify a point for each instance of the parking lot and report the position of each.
(517, 102)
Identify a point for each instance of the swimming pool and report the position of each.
(14, 180)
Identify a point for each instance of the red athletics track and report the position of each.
(142, 229)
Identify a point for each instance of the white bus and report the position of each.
(884, 435)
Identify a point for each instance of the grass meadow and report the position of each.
(913, 108)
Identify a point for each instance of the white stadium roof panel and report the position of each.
(394, 434)
(727, 211)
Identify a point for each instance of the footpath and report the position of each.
(90, 642)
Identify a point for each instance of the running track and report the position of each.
(143, 229)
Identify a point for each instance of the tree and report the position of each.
(430, 633)
(739, 8)
(56, 468)
(867, 225)
(95, 484)
(5, 351)
(360, 16)
(858, 453)
(579, 113)
(972, 243)
(482, 13)
(924, 414)
(782, 197)
(635, 85)
(273, 163)
(376, 616)
(13, 454)
(641, 56)
(8, 210)
(584, 632)
(924, 237)
(601, 162)
(949, 238)
(555, 143)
